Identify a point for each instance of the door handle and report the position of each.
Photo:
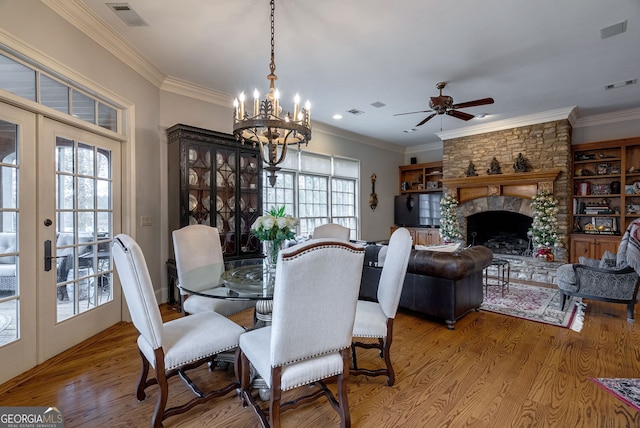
(48, 257)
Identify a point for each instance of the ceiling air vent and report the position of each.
(355, 111)
(378, 104)
(128, 15)
(613, 30)
(621, 84)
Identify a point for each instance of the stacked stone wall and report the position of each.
(545, 146)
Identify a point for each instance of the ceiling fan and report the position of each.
(443, 104)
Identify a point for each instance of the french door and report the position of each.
(60, 207)
(78, 214)
(18, 265)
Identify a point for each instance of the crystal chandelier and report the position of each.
(265, 127)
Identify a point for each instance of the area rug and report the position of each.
(627, 390)
(535, 303)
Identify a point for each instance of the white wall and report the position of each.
(37, 26)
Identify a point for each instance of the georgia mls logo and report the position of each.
(31, 417)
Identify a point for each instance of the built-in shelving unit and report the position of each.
(605, 195)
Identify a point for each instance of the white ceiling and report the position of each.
(530, 56)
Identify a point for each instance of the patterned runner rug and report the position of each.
(536, 304)
(627, 390)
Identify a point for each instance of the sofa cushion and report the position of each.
(608, 261)
(374, 255)
(7, 245)
(566, 276)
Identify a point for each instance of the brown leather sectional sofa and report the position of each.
(440, 285)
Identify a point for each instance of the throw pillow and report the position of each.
(608, 260)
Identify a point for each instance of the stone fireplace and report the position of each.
(497, 208)
(504, 200)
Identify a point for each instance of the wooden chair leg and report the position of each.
(245, 381)
(161, 376)
(630, 311)
(391, 376)
(345, 415)
(276, 397)
(142, 383)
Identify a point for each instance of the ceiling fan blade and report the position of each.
(474, 103)
(460, 114)
(413, 112)
(426, 119)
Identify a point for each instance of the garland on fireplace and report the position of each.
(544, 228)
(449, 226)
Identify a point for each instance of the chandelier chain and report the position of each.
(272, 66)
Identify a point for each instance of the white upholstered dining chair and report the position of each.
(331, 230)
(173, 347)
(375, 319)
(314, 303)
(199, 262)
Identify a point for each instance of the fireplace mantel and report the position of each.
(520, 184)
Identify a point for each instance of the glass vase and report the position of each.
(271, 250)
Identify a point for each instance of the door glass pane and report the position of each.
(107, 117)
(83, 107)
(54, 94)
(17, 79)
(9, 254)
(84, 229)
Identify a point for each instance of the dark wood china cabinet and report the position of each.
(216, 181)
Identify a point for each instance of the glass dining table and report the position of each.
(244, 279)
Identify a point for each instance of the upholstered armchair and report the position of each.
(614, 278)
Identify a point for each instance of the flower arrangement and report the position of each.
(274, 226)
(544, 228)
(272, 229)
(449, 227)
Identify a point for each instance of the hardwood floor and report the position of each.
(492, 371)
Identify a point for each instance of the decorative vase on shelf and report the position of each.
(271, 248)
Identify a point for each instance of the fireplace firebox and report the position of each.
(503, 232)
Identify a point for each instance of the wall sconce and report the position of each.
(373, 198)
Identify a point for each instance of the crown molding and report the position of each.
(323, 128)
(516, 122)
(435, 145)
(607, 118)
(85, 20)
(192, 90)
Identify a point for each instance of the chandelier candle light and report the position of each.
(265, 127)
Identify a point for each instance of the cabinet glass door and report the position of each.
(227, 216)
(199, 184)
(249, 202)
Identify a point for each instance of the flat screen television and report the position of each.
(417, 210)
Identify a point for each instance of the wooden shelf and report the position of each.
(600, 168)
(420, 178)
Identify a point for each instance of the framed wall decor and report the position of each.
(603, 168)
(604, 224)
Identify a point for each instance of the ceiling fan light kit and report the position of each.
(443, 104)
(265, 127)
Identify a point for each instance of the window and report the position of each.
(53, 91)
(316, 189)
